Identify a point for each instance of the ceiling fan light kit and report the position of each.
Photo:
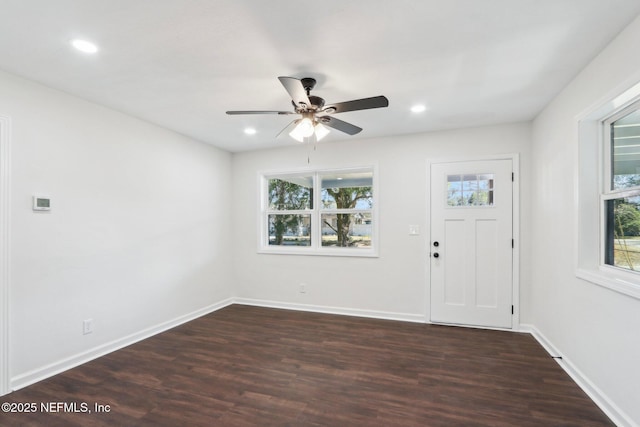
(315, 116)
(304, 129)
(321, 131)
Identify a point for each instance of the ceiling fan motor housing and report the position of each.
(316, 104)
(308, 83)
(316, 101)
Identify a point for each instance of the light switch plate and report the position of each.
(414, 230)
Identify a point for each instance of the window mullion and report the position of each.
(351, 211)
(288, 212)
(315, 218)
(620, 194)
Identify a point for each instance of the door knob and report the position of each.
(436, 254)
(436, 244)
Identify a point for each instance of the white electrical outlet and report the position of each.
(414, 230)
(303, 288)
(87, 326)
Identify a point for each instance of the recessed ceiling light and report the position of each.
(84, 46)
(250, 131)
(418, 108)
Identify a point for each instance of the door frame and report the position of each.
(5, 252)
(515, 260)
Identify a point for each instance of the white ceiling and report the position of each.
(182, 63)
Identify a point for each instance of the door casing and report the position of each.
(5, 238)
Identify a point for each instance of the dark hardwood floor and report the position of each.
(249, 366)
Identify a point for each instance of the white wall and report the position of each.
(137, 236)
(394, 284)
(594, 328)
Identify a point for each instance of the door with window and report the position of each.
(472, 243)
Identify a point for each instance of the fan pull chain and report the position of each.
(307, 142)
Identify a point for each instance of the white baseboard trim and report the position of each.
(619, 417)
(404, 317)
(47, 371)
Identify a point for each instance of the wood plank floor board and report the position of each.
(251, 366)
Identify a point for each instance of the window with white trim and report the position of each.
(621, 192)
(326, 212)
(609, 194)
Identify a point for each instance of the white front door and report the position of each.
(472, 243)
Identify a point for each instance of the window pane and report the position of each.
(289, 230)
(625, 155)
(470, 190)
(350, 190)
(454, 190)
(623, 233)
(291, 192)
(347, 230)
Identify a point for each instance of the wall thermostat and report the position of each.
(41, 203)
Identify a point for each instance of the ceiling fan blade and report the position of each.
(340, 125)
(288, 128)
(358, 104)
(233, 113)
(296, 91)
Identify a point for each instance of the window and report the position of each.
(470, 190)
(609, 194)
(290, 200)
(621, 195)
(324, 212)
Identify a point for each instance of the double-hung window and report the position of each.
(609, 194)
(325, 212)
(621, 193)
(289, 205)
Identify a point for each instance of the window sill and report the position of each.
(358, 253)
(609, 278)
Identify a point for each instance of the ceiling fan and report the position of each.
(315, 115)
